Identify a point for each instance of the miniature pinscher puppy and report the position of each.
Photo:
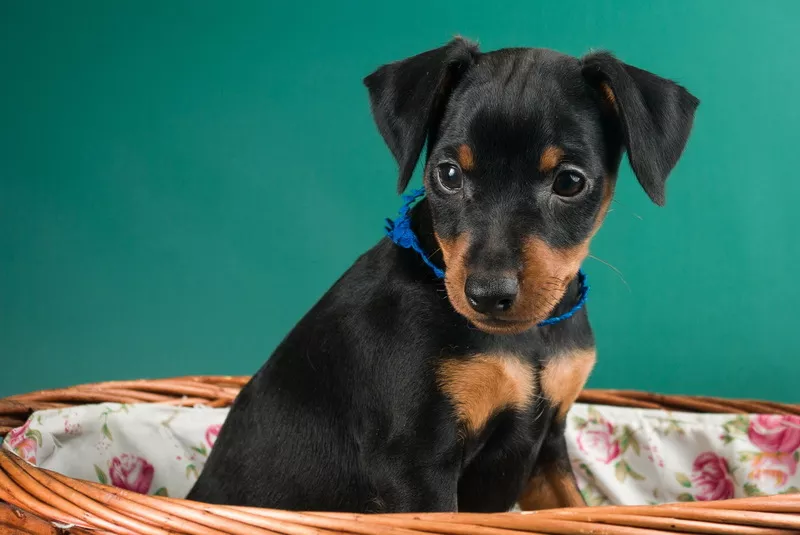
(402, 392)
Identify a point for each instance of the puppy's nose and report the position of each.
(491, 294)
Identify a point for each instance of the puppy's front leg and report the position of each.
(411, 481)
(552, 484)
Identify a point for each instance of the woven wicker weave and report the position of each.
(41, 502)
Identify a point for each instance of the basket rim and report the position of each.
(38, 498)
(41, 494)
(221, 390)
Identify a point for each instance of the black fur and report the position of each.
(407, 99)
(657, 116)
(347, 414)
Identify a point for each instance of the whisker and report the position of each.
(634, 214)
(433, 253)
(614, 269)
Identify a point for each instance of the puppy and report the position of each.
(400, 391)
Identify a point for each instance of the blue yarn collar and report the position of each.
(401, 233)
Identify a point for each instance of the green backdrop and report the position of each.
(181, 180)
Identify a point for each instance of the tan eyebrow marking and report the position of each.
(551, 157)
(466, 159)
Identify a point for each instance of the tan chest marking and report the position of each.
(564, 376)
(484, 384)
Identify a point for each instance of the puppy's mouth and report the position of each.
(495, 325)
(526, 312)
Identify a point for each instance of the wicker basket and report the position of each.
(36, 501)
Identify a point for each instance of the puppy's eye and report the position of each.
(568, 183)
(449, 177)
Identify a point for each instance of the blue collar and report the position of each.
(401, 233)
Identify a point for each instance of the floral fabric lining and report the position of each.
(620, 455)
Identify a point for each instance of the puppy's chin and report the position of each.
(521, 319)
(489, 325)
(502, 326)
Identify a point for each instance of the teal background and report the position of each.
(181, 180)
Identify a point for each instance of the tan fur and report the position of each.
(551, 157)
(608, 194)
(608, 93)
(545, 275)
(465, 158)
(454, 253)
(551, 490)
(563, 377)
(482, 385)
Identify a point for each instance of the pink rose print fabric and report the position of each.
(25, 442)
(619, 456)
(773, 464)
(681, 456)
(770, 472)
(775, 434)
(711, 477)
(131, 473)
(147, 448)
(211, 434)
(597, 441)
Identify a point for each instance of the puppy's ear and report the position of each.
(655, 117)
(408, 97)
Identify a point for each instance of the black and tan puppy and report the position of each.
(388, 397)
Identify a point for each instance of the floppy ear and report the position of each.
(655, 116)
(408, 97)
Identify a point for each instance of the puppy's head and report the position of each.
(523, 151)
